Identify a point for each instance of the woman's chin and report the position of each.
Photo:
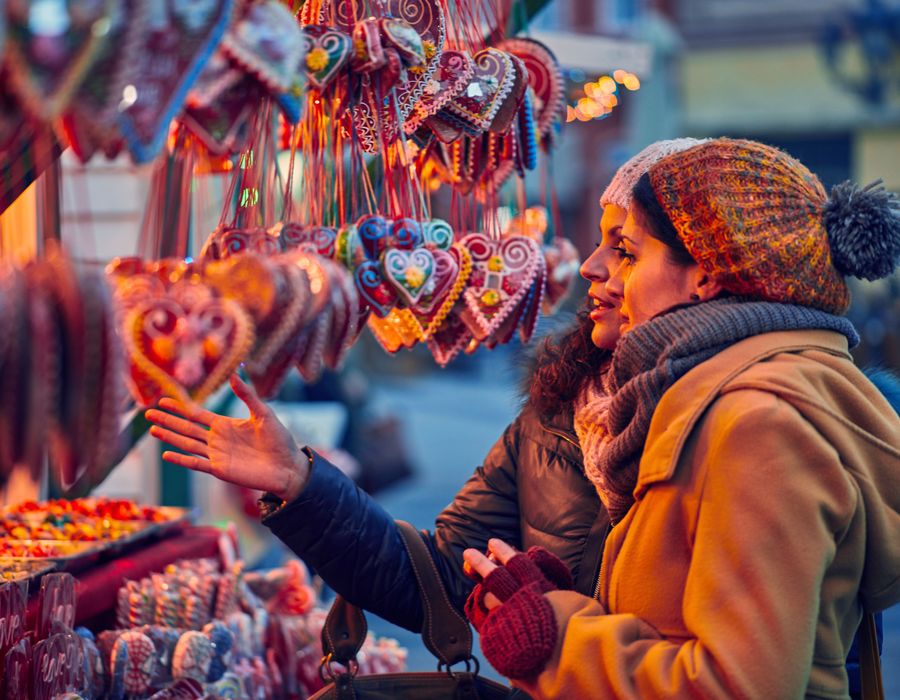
(604, 338)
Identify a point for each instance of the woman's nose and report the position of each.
(594, 269)
(615, 284)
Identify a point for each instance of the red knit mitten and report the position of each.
(518, 637)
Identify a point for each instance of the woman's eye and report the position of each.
(624, 255)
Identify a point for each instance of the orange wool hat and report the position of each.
(754, 218)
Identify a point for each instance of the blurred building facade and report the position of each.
(757, 69)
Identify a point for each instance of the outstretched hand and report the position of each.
(256, 452)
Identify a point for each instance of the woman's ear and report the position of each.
(705, 287)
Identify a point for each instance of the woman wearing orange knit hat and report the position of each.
(753, 473)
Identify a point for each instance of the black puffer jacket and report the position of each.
(531, 490)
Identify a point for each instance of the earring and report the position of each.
(695, 297)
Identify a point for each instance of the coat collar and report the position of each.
(684, 403)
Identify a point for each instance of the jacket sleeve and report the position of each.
(487, 506)
(354, 544)
(765, 532)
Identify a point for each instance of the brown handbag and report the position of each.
(445, 632)
(870, 661)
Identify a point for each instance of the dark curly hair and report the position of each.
(561, 365)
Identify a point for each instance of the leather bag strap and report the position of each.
(445, 632)
(870, 661)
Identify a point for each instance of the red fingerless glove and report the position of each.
(519, 636)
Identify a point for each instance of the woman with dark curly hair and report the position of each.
(532, 488)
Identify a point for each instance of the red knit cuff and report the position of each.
(552, 567)
(475, 609)
(518, 637)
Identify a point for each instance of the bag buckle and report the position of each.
(329, 674)
(470, 662)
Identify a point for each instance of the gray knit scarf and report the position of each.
(653, 356)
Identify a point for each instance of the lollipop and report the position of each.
(192, 657)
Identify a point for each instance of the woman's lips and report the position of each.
(601, 309)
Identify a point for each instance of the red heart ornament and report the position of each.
(311, 239)
(453, 73)
(345, 320)
(491, 84)
(328, 50)
(174, 46)
(502, 273)
(90, 121)
(374, 289)
(184, 352)
(49, 60)
(545, 78)
(450, 283)
(368, 52)
(268, 43)
(509, 105)
(410, 272)
(426, 17)
(450, 339)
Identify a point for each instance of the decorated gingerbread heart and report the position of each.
(545, 78)
(502, 274)
(328, 50)
(509, 104)
(450, 338)
(438, 234)
(407, 234)
(450, 278)
(426, 18)
(184, 351)
(374, 289)
(223, 126)
(368, 51)
(268, 43)
(177, 40)
(410, 272)
(492, 82)
(399, 329)
(50, 54)
(452, 75)
(90, 120)
(375, 234)
(316, 239)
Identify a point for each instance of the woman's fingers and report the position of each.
(479, 562)
(198, 464)
(179, 425)
(248, 395)
(189, 410)
(182, 443)
(501, 551)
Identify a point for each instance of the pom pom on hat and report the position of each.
(863, 228)
(619, 190)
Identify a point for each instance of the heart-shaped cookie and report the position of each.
(345, 319)
(502, 273)
(452, 75)
(223, 126)
(410, 272)
(49, 58)
(268, 43)
(426, 17)
(407, 234)
(562, 261)
(375, 234)
(368, 51)
(328, 50)
(90, 120)
(450, 283)
(374, 289)
(399, 329)
(491, 84)
(544, 77)
(171, 52)
(438, 234)
(402, 36)
(450, 339)
(184, 353)
(348, 248)
(315, 239)
(509, 105)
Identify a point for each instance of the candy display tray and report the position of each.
(20, 569)
(69, 555)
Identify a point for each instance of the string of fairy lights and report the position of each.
(601, 96)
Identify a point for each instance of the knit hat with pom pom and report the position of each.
(619, 190)
(760, 223)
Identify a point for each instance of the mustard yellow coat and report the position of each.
(767, 514)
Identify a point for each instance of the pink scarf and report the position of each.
(591, 409)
